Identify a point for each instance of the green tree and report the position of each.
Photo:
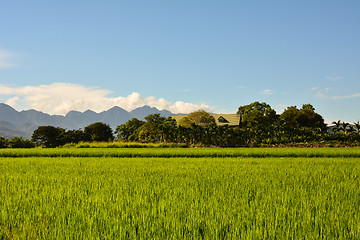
(18, 142)
(305, 117)
(129, 131)
(99, 132)
(289, 117)
(337, 126)
(168, 130)
(3, 142)
(257, 115)
(357, 126)
(346, 127)
(199, 118)
(150, 131)
(74, 136)
(48, 136)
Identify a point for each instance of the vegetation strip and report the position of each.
(185, 152)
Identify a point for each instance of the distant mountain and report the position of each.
(10, 130)
(23, 124)
(142, 112)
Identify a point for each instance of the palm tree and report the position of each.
(337, 127)
(345, 126)
(357, 126)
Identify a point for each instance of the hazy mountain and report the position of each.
(10, 130)
(142, 112)
(23, 124)
(115, 116)
(9, 114)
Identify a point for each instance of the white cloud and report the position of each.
(185, 90)
(321, 94)
(12, 101)
(334, 77)
(4, 59)
(60, 98)
(267, 92)
(355, 95)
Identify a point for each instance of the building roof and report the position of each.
(221, 119)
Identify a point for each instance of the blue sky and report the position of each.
(57, 56)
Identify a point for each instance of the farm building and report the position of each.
(232, 120)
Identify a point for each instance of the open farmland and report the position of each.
(180, 193)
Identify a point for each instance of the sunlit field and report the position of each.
(180, 194)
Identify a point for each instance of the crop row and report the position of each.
(184, 152)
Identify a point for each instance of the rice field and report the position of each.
(180, 194)
(183, 152)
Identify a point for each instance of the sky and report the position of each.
(181, 55)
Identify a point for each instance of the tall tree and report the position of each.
(48, 136)
(199, 118)
(129, 131)
(168, 130)
(257, 115)
(337, 126)
(357, 126)
(150, 131)
(75, 136)
(3, 142)
(99, 132)
(305, 117)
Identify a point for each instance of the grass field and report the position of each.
(92, 195)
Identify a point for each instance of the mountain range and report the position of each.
(24, 123)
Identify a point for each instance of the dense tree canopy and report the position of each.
(150, 131)
(304, 117)
(48, 136)
(129, 131)
(16, 142)
(199, 118)
(99, 132)
(257, 115)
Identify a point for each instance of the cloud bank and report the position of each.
(60, 98)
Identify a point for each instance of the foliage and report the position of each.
(129, 131)
(151, 130)
(199, 118)
(74, 136)
(17, 142)
(3, 142)
(48, 136)
(99, 131)
(257, 115)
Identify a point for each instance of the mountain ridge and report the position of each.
(24, 123)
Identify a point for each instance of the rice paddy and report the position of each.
(180, 194)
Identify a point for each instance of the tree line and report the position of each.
(259, 125)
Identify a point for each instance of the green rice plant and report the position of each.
(179, 198)
(182, 152)
(124, 145)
